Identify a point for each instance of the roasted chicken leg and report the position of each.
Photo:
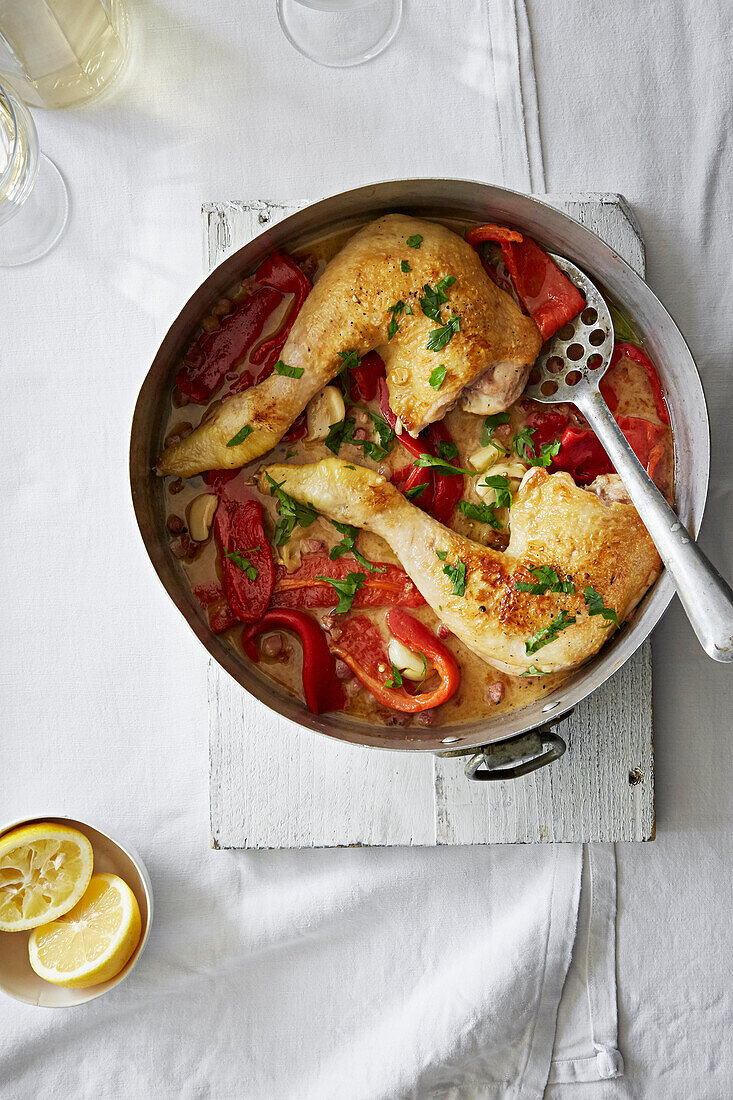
(372, 296)
(472, 588)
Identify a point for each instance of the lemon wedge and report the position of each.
(93, 941)
(44, 870)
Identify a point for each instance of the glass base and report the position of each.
(39, 222)
(339, 33)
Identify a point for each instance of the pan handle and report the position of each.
(512, 759)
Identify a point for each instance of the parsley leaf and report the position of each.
(346, 546)
(424, 461)
(547, 453)
(414, 242)
(396, 681)
(437, 377)
(351, 360)
(395, 310)
(533, 671)
(243, 562)
(548, 634)
(500, 485)
(415, 492)
(442, 554)
(405, 267)
(484, 513)
(408, 310)
(385, 434)
(434, 298)
(622, 330)
(522, 443)
(447, 449)
(343, 432)
(291, 513)
(439, 337)
(524, 447)
(490, 424)
(548, 580)
(346, 589)
(594, 600)
(289, 372)
(240, 436)
(457, 574)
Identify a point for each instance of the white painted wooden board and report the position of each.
(274, 784)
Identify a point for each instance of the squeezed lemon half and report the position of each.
(93, 941)
(44, 870)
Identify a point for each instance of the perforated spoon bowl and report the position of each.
(569, 369)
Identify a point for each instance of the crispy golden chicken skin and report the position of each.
(376, 281)
(554, 523)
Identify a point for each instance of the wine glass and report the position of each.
(34, 204)
(338, 33)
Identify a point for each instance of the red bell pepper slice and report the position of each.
(547, 427)
(548, 295)
(582, 455)
(360, 645)
(238, 529)
(321, 688)
(217, 479)
(631, 351)
(365, 378)
(301, 588)
(280, 272)
(215, 353)
(212, 598)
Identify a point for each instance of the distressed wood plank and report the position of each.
(276, 785)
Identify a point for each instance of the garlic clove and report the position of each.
(324, 410)
(201, 512)
(410, 665)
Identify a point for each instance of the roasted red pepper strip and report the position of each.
(365, 378)
(238, 529)
(548, 295)
(301, 588)
(631, 351)
(321, 688)
(216, 353)
(582, 455)
(281, 273)
(360, 645)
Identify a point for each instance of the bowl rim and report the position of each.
(416, 194)
(90, 993)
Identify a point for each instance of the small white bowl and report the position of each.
(17, 977)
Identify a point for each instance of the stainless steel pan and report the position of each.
(477, 202)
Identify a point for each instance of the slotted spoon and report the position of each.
(562, 374)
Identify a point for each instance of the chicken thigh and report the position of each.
(472, 588)
(404, 300)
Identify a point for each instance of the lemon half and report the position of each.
(44, 870)
(93, 941)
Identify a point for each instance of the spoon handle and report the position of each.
(705, 596)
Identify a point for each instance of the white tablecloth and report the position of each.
(102, 684)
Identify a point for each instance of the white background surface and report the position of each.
(102, 685)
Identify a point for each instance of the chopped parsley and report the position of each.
(447, 449)
(439, 337)
(347, 546)
(289, 372)
(490, 424)
(500, 485)
(385, 434)
(346, 589)
(533, 671)
(240, 436)
(351, 360)
(416, 491)
(291, 513)
(622, 330)
(523, 446)
(396, 681)
(393, 328)
(442, 554)
(434, 298)
(457, 574)
(408, 310)
(343, 432)
(437, 377)
(549, 633)
(414, 242)
(424, 461)
(548, 580)
(243, 562)
(594, 601)
(484, 513)
(405, 267)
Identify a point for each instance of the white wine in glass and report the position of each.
(62, 53)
